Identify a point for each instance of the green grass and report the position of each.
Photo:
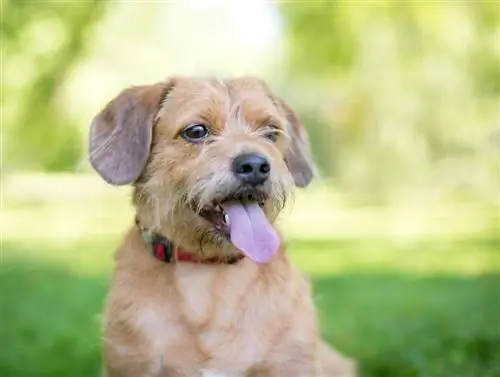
(426, 305)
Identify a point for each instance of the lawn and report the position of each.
(412, 291)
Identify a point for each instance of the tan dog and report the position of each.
(212, 163)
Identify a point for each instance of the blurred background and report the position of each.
(401, 236)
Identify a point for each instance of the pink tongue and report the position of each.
(251, 232)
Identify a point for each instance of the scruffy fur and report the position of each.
(188, 319)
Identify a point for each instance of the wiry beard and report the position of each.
(217, 188)
(175, 208)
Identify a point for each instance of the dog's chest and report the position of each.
(222, 324)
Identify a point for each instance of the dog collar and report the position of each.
(164, 250)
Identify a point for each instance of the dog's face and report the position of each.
(213, 162)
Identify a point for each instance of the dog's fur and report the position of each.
(187, 319)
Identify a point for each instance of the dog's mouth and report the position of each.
(241, 219)
(218, 217)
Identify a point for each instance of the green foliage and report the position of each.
(407, 91)
(42, 41)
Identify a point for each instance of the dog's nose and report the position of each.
(252, 169)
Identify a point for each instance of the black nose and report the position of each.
(251, 168)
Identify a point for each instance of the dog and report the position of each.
(202, 286)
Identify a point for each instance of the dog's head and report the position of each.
(212, 161)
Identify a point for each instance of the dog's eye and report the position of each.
(195, 133)
(272, 135)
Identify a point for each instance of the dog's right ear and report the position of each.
(299, 158)
(121, 134)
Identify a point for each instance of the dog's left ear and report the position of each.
(121, 134)
(299, 158)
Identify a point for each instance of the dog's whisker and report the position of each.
(202, 238)
(156, 201)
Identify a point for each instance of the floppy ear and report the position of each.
(299, 158)
(120, 135)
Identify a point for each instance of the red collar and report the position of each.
(164, 250)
